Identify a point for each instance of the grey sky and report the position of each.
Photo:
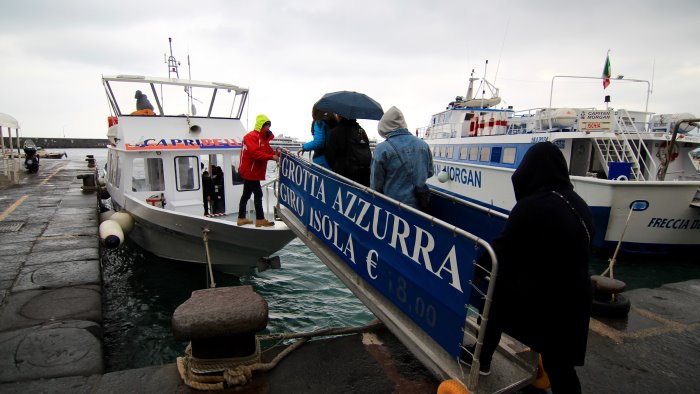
(416, 55)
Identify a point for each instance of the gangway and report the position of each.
(413, 270)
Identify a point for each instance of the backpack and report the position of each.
(358, 153)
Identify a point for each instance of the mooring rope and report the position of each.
(218, 374)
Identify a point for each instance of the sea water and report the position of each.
(141, 292)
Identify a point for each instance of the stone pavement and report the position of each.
(50, 279)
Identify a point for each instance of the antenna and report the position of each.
(172, 63)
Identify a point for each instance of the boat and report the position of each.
(618, 160)
(284, 142)
(154, 169)
(44, 154)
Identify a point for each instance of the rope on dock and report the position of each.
(221, 373)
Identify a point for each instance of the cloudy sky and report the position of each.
(414, 54)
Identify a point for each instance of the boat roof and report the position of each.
(8, 121)
(173, 81)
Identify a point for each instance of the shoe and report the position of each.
(263, 223)
(243, 221)
(466, 356)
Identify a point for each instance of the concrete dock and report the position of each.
(51, 319)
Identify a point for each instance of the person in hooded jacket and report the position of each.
(319, 129)
(400, 163)
(543, 289)
(143, 105)
(207, 192)
(338, 144)
(255, 154)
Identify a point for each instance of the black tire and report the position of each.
(614, 309)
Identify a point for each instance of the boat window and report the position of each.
(508, 156)
(450, 151)
(485, 153)
(187, 173)
(463, 153)
(235, 175)
(496, 154)
(147, 175)
(442, 151)
(117, 173)
(474, 153)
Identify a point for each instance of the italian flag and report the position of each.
(606, 72)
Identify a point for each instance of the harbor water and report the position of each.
(141, 291)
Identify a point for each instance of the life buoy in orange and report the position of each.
(541, 380)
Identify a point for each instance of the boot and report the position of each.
(263, 223)
(243, 221)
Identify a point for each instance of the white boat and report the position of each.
(283, 142)
(155, 165)
(616, 157)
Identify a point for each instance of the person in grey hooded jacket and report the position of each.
(400, 163)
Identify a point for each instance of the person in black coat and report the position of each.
(207, 191)
(543, 289)
(346, 138)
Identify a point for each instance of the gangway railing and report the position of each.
(414, 271)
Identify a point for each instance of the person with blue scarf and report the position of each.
(319, 130)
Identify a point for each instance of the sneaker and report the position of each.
(263, 223)
(243, 221)
(466, 356)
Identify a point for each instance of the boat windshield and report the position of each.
(175, 99)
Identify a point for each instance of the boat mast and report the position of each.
(172, 63)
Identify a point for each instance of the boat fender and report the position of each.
(452, 386)
(541, 379)
(125, 220)
(443, 176)
(101, 182)
(622, 178)
(111, 234)
(106, 215)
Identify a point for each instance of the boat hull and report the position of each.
(669, 224)
(176, 236)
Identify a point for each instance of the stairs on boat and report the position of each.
(618, 150)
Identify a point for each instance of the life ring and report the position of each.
(451, 386)
(542, 379)
(622, 178)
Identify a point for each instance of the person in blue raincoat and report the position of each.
(319, 129)
(402, 162)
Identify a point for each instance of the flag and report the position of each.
(606, 72)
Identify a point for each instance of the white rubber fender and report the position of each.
(111, 234)
(443, 176)
(125, 220)
(622, 178)
(106, 215)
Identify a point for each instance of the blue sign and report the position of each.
(422, 267)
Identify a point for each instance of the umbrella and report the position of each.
(350, 105)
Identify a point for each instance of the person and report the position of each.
(543, 293)
(402, 162)
(255, 154)
(347, 150)
(207, 191)
(319, 128)
(143, 106)
(218, 196)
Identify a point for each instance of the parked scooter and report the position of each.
(31, 159)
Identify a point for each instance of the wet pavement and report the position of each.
(51, 333)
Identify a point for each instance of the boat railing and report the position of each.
(638, 153)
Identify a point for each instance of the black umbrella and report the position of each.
(350, 105)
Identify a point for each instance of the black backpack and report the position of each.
(358, 154)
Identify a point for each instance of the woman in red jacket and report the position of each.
(255, 154)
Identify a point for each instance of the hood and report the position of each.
(138, 94)
(391, 120)
(260, 121)
(542, 169)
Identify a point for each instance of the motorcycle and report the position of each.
(31, 159)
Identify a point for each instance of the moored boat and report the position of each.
(156, 160)
(616, 157)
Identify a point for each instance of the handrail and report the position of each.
(551, 91)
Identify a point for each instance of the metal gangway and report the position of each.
(413, 270)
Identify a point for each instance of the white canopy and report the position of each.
(8, 121)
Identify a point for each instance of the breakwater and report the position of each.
(59, 143)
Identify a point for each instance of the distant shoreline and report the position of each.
(59, 143)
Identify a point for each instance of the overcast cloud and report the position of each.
(416, 55)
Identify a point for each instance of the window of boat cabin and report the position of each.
(147, 174)
(473, 153)
(186, 173)
(496, 154)
(235, 163)
(450, 151)
(508, 156)
(485, 153)
(463, 153)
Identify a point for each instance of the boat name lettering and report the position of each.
(673, 223)
(462, 175)
(539, 139)
(605, 115)
(157, 144)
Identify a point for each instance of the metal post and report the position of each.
(669, 148)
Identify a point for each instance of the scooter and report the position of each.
(31, 159)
